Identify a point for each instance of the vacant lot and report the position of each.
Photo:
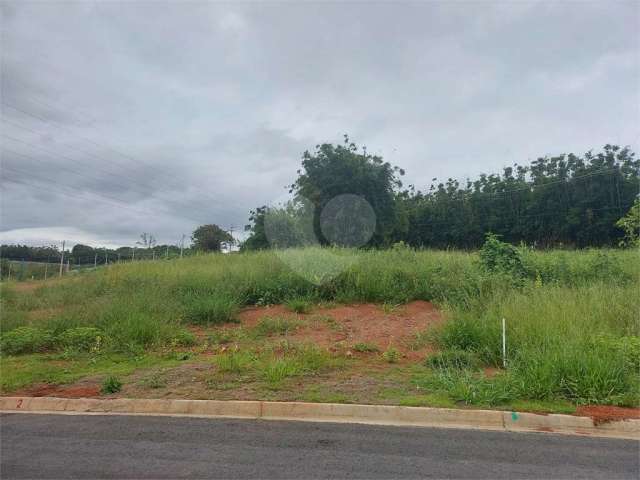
(397, 327)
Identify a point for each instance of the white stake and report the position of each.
(504, 343)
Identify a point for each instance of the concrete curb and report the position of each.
(329, 412)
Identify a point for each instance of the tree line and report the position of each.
(567, 200)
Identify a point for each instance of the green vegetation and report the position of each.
(111, 385)
(572, 324)
(365, 347)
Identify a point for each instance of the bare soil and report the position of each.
(605, 413)
(342, 327)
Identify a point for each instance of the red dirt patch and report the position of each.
(605, 413)
(343, 326)
(61, 391)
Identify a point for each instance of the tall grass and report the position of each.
(572, 319)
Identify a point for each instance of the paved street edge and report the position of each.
(330, 412)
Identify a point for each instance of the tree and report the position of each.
(83, 253)
(146, 240)
(331, 171)
(209, 238)
(630, 225)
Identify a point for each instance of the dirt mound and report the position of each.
(61, 391)
(605, 413)
(343, 326)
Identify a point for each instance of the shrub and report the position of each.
(500, 257)
(82, 339)
(456, 359)
(111, 385)
(26, 340)
(210, 309)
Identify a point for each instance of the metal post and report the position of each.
(62, 259)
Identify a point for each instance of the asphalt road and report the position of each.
(92, 446)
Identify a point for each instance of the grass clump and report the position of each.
(299, 305)
(391, 355)
(111, 385)
(366, 347)
(26, 340)
(235, 362)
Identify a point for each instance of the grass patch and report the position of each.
(110, 385)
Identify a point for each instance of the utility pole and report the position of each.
(166, 255)
(182, 244)
(106, 259)
(95, 260)
(133, 254)
(153, 254)
(62, 259)
(46, 267)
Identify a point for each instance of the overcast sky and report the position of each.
(122, 118)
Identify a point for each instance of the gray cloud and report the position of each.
(119, 118)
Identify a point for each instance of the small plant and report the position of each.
(366, 347)
(391, 355)
(299, 305)
(26, 340)
(111, 385)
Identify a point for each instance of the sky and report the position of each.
(131, 117)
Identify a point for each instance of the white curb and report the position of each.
(329, 412)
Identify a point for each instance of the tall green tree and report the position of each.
(333, 170)
(209, 238)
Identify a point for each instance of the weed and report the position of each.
(110, 385)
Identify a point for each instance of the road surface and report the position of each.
(101, 446)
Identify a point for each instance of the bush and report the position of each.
(111, 385)
(456, 359)
(500, 257)
(210, 309)
(82, 339)
(26, 340)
